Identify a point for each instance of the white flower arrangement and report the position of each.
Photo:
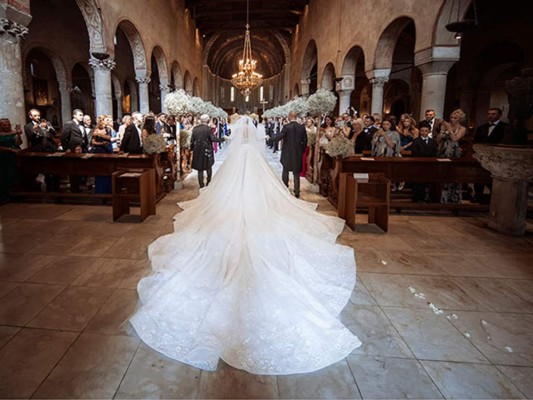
(321, 102)
(178, 102)
(339, 146)
(154, 144)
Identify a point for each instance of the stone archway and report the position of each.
(196, 87)
(451, 11)
(90, 9)
(308, 80)
(328, 77)
(140, 63)
(162, 75)
(352, 65)
(177, 75)
(63, 76)
(387, 43)
(188, 83)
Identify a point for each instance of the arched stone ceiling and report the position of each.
(223, 21)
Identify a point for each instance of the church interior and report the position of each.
(442, 297)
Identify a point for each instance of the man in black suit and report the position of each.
(202, 139)
(433, 122)
(492, 132)
(73, 133)
(294, 139)
(364, 140)
(40, 139)
(423, 146)
(269, 130)
(132, 140)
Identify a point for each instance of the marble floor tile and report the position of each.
(516, 265)
(28, 358)
(93, 246)
(20, 242)
(231, 383)
(520, 377)
(92, 368)
(58, 244)
(361, 295)
(459, 264)
(72, 309)
(21, 268)
(396, 262)
(432, 337)
(502, 337)
(447, 292)
(470, 381)
(88, 213)
(154, 376)
(6, 333)
(333, 382)
(24, 302)
(375, 331)
(110, 272)
(112, 318)
(496, 294)
(130, 246)
(392, 290)
(6, 287)
(63, 270)
(392, 378)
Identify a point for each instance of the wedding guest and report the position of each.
(491, 132)
(434, 122)
(10, 142)
(408, 132)
(126, 121)
(423, 146)
(448, 147)
(101, 137)
(386, 141)
(39, 139)
(132, 140)
(73, 132)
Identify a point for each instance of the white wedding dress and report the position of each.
(251, 274)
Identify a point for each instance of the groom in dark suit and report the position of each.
(294, 139)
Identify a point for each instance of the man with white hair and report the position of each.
(202, 139)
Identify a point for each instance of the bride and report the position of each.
(258, 281)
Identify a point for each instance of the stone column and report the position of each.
(304, 87)
(120, 111)
(65, 90)
(377, 93)
(144, 100)
(344, 100)
(102, 85)
(434, 76)
(11, 83)
(164, 91)
(287, 80)
(512, 170)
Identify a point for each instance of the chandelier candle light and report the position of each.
(247, 79)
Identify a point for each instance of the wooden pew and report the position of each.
(415, 170)
(30, 164)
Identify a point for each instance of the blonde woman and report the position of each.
(448, 147)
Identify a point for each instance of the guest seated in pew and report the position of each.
(423, 146)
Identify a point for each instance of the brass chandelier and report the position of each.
(247, 79)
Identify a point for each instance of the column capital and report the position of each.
(143, 79)
(347, 83)
(107, 64)
(13, 29)
(379, 81)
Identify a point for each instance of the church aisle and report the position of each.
(440, 302)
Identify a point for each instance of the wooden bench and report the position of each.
(372, 193)
(30, 164)
(415, 170)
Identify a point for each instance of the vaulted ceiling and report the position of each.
(222, 24)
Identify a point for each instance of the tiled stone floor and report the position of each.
(443, 306)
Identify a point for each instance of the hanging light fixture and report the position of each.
(247, 78)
